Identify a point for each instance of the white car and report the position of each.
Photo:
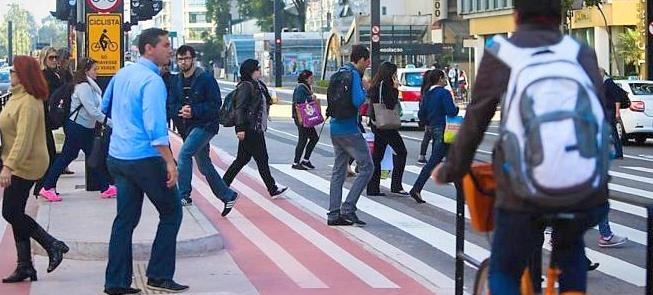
(637, 121)
(410, 86)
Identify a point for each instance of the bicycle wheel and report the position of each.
(95, 46)
(481, 284)
(113, 46)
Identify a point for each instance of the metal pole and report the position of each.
(460, 239)
(649, 250)
(81, 18)
(10, 40)
(649, 41)
(278, 24)
(376, 46)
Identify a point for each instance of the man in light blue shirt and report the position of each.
(141, 162)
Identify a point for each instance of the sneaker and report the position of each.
(308, 164)
(122, 291)
(229, 205)
(279, 192)
(67, 172)
(299, 167)
(340, 221)
(612, 242)
(421, 160)
(354, 220)
(376, 194)
(111, 192)
(166, 286)
(50, 195)
(186, 201)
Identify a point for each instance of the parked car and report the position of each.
(5, 82)
(637, 120)
(410, 86)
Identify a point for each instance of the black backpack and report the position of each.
(339, 95)
(228, 110)
(59, 105)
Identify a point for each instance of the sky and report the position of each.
(38, 8)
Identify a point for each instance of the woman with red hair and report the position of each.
(24, 160)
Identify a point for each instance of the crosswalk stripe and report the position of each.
(632, 177)
(366, 273)
(630, 190)
(640, 169)
(279, 256)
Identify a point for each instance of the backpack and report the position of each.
(59, 105)
(339, 95)
(553, 144)
(228, 109)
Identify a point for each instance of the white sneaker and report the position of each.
(612, 242)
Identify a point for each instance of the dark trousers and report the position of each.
(78, 138)
(134, 179)
(307, 140)
(428, 135)
(253, 146)
(383, 138)
(13, 208)
(438, 151)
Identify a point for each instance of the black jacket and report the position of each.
(613, 95)
(54, 80)
(390, 97)
(491, 83)
(205, 100)
(249, 105)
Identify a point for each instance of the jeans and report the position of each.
(618, 149)
(13, 208)
(604, 227)
(383, 138)
(197, 145)
(134, 178)
(346, 147)
(307, 139)
(518, 234)
(438, 152)
(428, 135)
(252, 146)
(78, 138)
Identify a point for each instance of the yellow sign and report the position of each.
(104, 41)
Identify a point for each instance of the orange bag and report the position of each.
(479, 186)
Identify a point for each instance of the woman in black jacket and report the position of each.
(384, 90)
(252, 108)
(307, 136)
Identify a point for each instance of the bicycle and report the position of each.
(111, 46)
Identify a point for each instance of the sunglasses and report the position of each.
(53, 57)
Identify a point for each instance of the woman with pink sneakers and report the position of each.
(80, 131)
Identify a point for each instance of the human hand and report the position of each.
(186, 112)
(5, 177)
(171, 168)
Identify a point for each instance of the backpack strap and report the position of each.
(515, 57)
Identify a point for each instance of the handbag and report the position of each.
(309, 113)
(452, 128)
(385, 118)
(98, 156)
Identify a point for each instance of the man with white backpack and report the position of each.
(552, 156)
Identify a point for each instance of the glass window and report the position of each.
(413, 79)
(384, 10)
(584, 35)
(4, 77)
(642, 88)
(196, 17)
(196, 33)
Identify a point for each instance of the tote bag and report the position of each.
(385, 118)
(452, 128)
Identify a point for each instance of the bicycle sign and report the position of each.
(104, 41)
(103, 5)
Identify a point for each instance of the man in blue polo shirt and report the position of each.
(141, 162)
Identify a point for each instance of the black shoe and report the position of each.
(340, 221)
(401, 193)
(418, 197)
(308, 164)
(186, 201)
(24, 270)
(354, 220)
(299, 167)
(376, 194)
(279, 192)
(229, 205)
(67, 172)
(55, 248)
(166, 286)
(121, 291)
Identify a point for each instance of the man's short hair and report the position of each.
(547, 12)
(358, 52)
(150, 36)
(186, 49)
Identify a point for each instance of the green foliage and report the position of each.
(263, 12)
(24, 30)
(322, 83)
(53, 31)
(218, 12)
(630, 48)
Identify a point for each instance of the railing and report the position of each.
(461, 257)
(4, 99)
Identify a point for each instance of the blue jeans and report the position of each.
(604, 227)
(346, 147)
(518, 235)
(438, 151)
(197, 145)
(618, 149)
(133, 179)
(78, 138)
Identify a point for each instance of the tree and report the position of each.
(630, 47)
(300, 5)
(217, 12)
(53, 31)
(263, 12)
(24, 30)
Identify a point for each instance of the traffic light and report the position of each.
(142, 10)
(65, 10)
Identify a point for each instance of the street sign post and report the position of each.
(376, 35)
(104, 42)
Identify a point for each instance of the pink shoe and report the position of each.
(50, 195)
(111, 192)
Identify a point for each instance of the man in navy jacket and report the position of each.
(195, 98)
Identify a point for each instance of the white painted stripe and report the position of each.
(439, 239)
(638, 158)
(297, 272)
(640, 169)
(408, 262)
(630, 190)
(632, 177)
(357, 267)
(295, 136)
(628, 208)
